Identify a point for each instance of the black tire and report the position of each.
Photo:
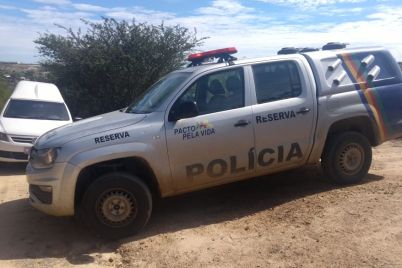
(104, 205)
(346, 158)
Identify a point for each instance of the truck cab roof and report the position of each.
(317, 55)
(326, 65)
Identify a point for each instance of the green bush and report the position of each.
(113, 62)
(5, 92)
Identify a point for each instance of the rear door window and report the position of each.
(276, 81)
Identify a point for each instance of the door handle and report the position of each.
(242, 123)
(303, 110)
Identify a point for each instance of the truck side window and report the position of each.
(216, 92)
(276, 81)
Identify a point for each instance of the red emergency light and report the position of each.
(222, 54)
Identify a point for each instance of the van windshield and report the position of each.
(157, 93)
(41, 110)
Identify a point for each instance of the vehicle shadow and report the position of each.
(9, 169)
(27, 233)
(239, 199)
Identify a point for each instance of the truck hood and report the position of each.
(28, 127)
(87, 127)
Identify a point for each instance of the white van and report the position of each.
(33, 109)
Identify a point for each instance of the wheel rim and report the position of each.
(352, 158)
(116, 207)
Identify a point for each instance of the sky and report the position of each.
(255, 27)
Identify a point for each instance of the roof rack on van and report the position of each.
(295, 50)
(334, 45)
(288, 50)
(223, 55)
(308, 49)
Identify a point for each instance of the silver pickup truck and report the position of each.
(216, 123)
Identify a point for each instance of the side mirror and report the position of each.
(77, 118)
(185, 109)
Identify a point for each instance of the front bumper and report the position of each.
(61, 179)
(14, 152)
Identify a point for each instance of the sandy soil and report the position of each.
(293, 219)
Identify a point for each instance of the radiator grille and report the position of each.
(24, 139)
(13, 155)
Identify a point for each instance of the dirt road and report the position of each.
(293, 219)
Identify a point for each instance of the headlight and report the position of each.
(3, 137)
(43, 158)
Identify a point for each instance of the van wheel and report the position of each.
(347, 158)
(116, 205)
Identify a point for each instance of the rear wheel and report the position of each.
(347, 158)
(116, 205)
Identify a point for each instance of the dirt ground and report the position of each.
(293, 219)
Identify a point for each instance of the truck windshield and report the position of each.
(41, 110)
(157, 93)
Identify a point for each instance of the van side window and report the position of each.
(276, 81)
(216, 92)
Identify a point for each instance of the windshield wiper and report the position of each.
(19, 116)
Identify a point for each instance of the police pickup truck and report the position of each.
(219, 122)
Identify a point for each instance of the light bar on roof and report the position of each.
(212, 54)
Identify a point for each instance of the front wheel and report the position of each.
(116, 205)
(347, 158)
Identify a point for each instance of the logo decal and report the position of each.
(264, 159)
(368, 93)
(200, 129)
(112, 137)
(275, 117)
